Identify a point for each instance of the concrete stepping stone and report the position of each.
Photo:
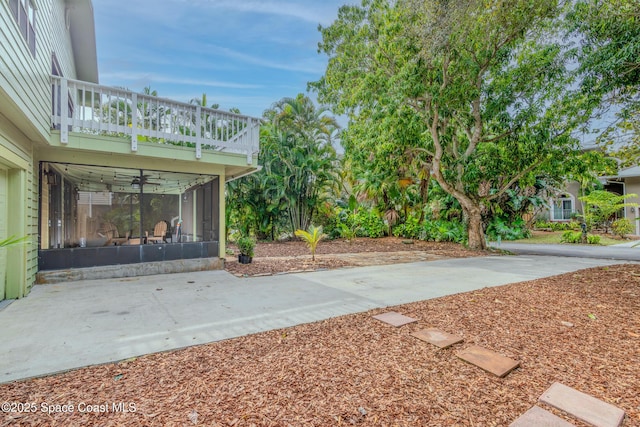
(394, 319)
(438, 338)
(582, 406)
(538, 417)
(488, 360)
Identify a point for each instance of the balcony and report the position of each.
(88, 108)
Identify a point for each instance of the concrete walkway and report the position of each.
(65, 326)
(620, 252)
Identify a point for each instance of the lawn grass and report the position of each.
(553, 237)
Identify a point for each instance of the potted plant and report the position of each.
(246, 245)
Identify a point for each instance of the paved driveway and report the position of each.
(65, 326)
(620, 252)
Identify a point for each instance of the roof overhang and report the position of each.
(631, 172)
(83, 39)
(236, 172)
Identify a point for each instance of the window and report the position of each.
(24, 13)
(562, 209)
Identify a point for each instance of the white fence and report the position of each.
(84, 107)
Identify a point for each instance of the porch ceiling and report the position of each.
(121, 180)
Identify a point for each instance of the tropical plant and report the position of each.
(311, 238)
(346, 232)
(505, 230)
(601, 205)
(13, 241)
(410, 228)
(298, 174)
(300, 162)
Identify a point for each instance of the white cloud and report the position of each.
(151, 78)
(310, 66)
(310, 11)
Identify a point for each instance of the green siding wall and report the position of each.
(24, 80)
(61, 40)
(25, 121)
(4, 214)
(19, 198)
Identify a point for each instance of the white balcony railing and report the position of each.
(84, 107)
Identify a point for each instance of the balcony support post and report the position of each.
(198, 132)
(134, 121)
(64, 112)
(251, 138)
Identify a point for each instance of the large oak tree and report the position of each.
(486, 82)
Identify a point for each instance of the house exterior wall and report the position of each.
(18, 197)
(25, 117)
(61, 40)
(572, 191)
(64, 31)
(632, 186)
(25, 79)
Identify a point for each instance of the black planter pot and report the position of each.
(244, 259)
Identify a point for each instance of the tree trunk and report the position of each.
(475, 233)
(473, 214)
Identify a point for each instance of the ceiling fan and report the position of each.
(142, 180)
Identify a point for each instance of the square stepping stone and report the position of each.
(438, 338)
(582, 406)
(538, 417)
(394, 319)
(488, 360)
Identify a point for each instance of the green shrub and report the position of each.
(443, 231)
(410, 229)
(593, 239)
(570, 236)
(542, 225)
(368, 223)
(622, 226)
(436, 230)
(557, 226)
(346, 232)
(499, 228)
(331, 219)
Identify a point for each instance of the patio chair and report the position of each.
(112, 235)
(159, 233)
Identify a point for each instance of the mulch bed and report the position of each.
(293, 256)
(354, 370)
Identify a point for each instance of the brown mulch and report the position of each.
(354, 370)
(293, 256)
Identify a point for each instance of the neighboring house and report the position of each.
(100, 176)
(565, 205)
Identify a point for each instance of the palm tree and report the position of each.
(300, 168)
(300, 115)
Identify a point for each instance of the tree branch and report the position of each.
(513, 180)
(498, 137)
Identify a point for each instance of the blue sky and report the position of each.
(243, 53)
